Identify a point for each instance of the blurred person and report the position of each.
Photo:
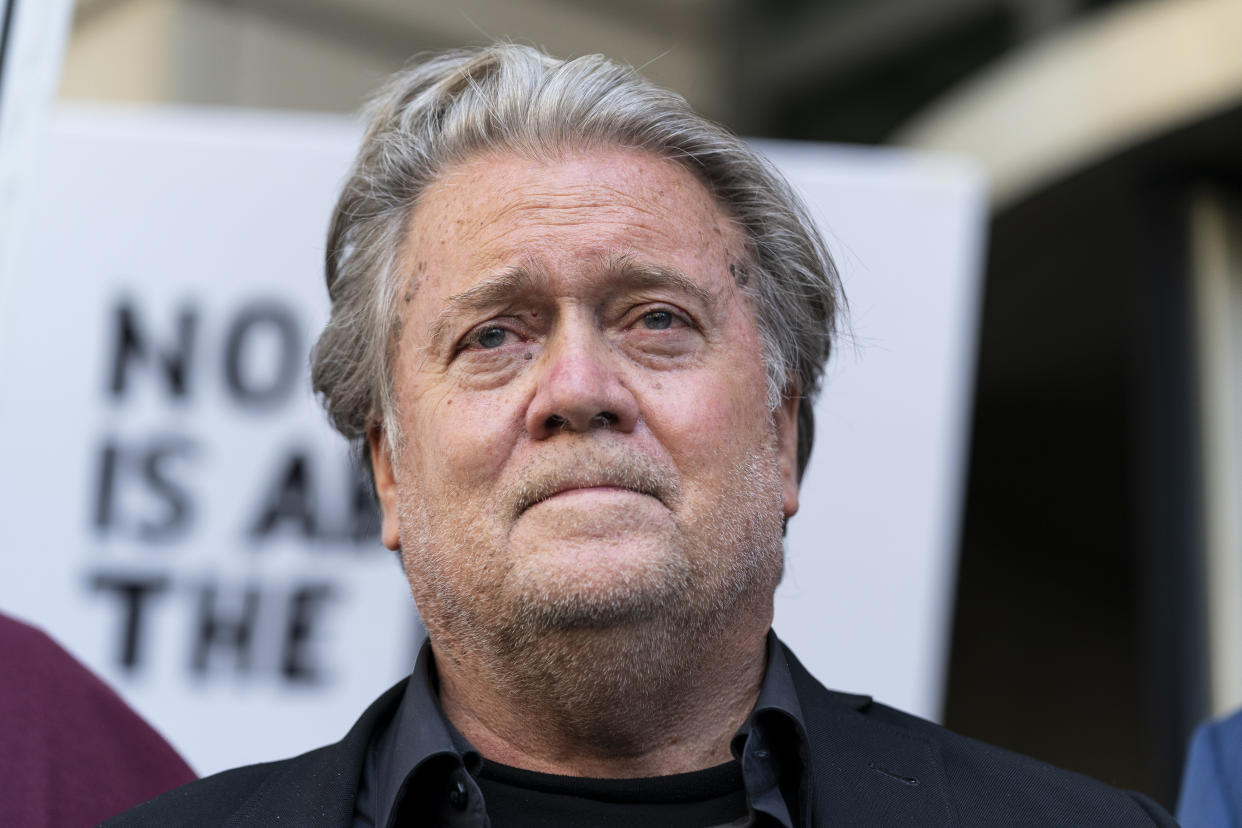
(1211, 794)
(72, 752)
(577, 330)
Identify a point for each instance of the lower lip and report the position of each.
(591, 492)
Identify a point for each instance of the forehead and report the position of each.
(566, 216)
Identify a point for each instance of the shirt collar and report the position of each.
(418, 736)
(772, 747)
(771, 744)
(777, 693)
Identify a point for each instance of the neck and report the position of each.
(610, 703)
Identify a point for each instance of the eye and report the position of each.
(658, 320)
(493, 336)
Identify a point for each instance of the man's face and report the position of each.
(579, 384)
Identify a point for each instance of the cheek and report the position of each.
(709, 415)
(463, 438)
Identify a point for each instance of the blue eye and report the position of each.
(491, 337)
(657, 320)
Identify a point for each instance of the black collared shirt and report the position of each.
(420, 771)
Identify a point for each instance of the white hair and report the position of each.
(449, 107)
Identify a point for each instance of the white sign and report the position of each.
(176, 511)
(871, 568)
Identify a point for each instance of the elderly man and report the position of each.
(578, 329)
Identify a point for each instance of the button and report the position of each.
(459, 796)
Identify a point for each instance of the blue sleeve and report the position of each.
(1212, 782)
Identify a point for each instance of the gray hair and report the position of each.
(446, 108)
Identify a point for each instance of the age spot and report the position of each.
(739, 273)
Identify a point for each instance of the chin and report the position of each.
(599, 585)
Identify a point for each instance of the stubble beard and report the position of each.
(541, 630)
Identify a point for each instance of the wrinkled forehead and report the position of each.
(565, 214)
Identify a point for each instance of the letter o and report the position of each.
(254, 319)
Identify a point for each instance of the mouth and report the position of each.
(564, 489)
(587, 490)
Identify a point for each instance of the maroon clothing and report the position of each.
(72, 753)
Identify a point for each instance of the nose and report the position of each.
(580, 388)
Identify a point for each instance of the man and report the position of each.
(578, 329)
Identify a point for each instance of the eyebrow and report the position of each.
(489, 294)
(529, 277)
(644, 275)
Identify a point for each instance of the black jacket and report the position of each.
(872, 766)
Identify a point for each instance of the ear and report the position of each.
(385, 486)
(786, 416)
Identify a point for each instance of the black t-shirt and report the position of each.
(525, 799)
